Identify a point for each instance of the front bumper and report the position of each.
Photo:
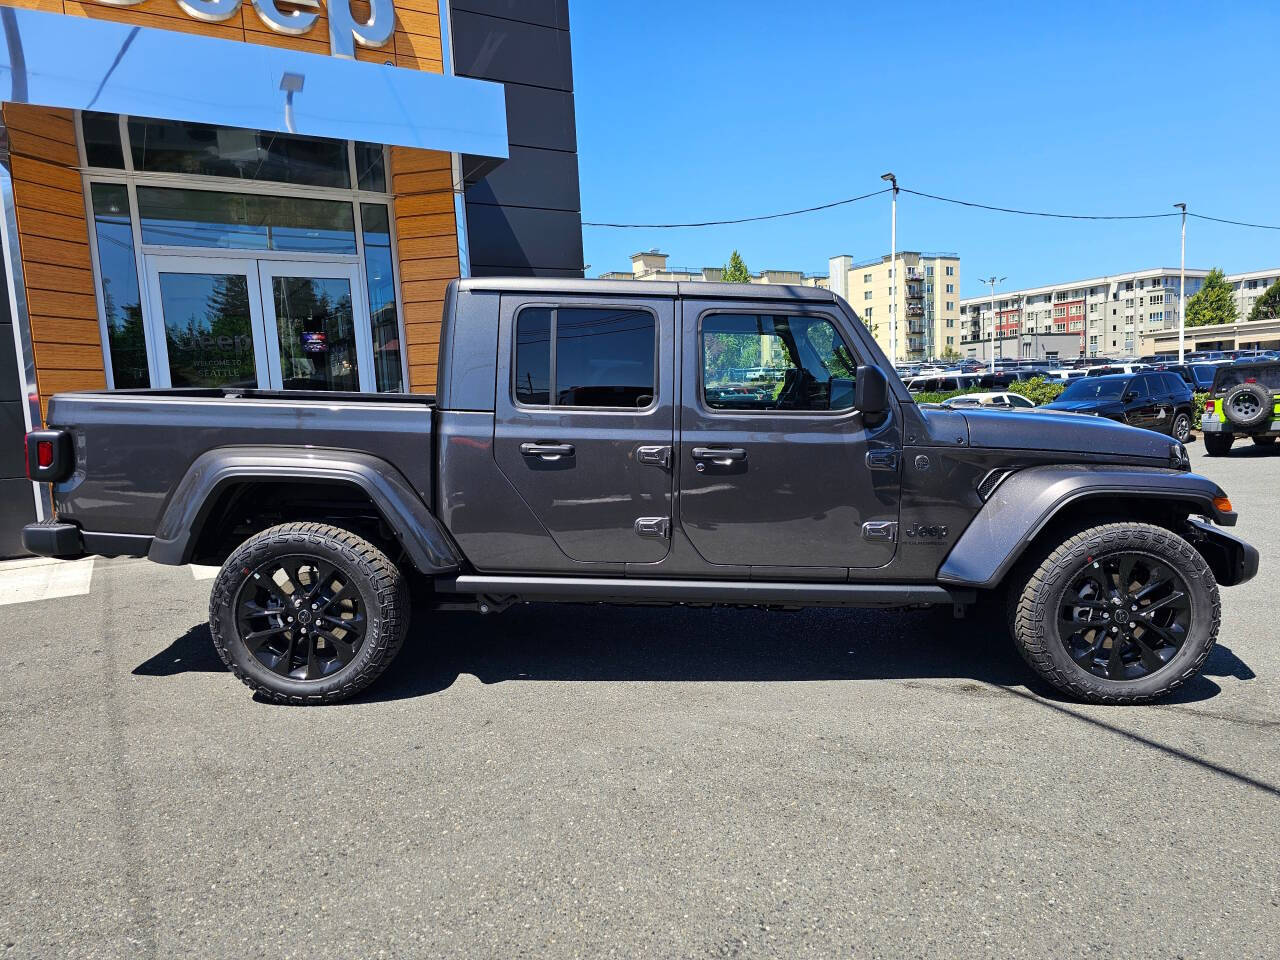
(1231, 559)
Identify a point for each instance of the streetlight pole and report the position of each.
(893, 269)
(993, 280)
(1182, 289)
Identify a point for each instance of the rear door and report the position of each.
(584, 420)
(1144, 409)
(784, 473)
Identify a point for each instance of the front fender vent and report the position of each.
(988, 484)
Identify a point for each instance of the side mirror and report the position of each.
(871, 392)
(1129, 397)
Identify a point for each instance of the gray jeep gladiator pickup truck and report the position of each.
(631, 442)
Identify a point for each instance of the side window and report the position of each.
(1141, 386)
(763, 362)
(584, 357)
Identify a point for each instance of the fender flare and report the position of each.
(417, 529)
(1029, 499)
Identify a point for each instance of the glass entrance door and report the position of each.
(313, 339)
(206, 325)
(250, 322)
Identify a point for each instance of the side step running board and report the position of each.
(633, 590)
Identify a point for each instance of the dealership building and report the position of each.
(266, 194)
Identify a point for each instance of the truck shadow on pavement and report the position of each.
(551, 642)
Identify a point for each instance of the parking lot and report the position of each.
(581, 781)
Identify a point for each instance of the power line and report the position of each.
(1039, 213)
(930, 196)
(719, 223)
(1238, 223)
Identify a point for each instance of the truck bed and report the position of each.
(117, 431)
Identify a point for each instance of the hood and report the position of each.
(1078, 406)
(1034, 430)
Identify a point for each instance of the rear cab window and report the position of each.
(585, 357)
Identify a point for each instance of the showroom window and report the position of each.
(230, 205)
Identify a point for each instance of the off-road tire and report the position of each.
(1247, 405)
(1035, 629)
(381, 587)
(1217, 444)
(1264, 440)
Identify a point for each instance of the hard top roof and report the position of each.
(698, 290)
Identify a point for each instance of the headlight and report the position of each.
(1179, 459)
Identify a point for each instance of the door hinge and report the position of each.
(655, 456)
(882, 459)
(880, 531)
(655, 528)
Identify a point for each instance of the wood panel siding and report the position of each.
(53, 239)
(426, 237)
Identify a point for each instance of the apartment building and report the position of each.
(652, 265)
(928, 300)
(1109, 314)
(1114, 315)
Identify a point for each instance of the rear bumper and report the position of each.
(66, 541)
(53, 539)
(1211, 424)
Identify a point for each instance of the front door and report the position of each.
(585, 421)
(773, 462)
(247, 322)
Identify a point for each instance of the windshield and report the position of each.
(1093, 389)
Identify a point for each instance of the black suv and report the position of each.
(1242, 403)
(1153, 400)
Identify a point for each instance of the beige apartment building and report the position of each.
(928, 301)
(1125, 314)
(652, 265)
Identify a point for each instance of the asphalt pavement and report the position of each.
(597, 782)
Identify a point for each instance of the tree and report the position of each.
(1213, 303)
(1267, 306)
(735, 271)
(950, 354)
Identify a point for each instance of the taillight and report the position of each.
(1208, 406)
(50, 458)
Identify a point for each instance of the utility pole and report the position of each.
(893, 269)
(1182, 289)
(993, 280)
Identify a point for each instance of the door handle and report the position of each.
(547, 451)
(720, 455)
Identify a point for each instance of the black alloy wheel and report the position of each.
(300, 617)
(1125, 616)
(308, 613)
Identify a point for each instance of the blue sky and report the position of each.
(712, 110)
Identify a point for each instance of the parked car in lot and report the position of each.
(943, 383)
(589, 444)
(1109, 369)
(1003, 401)
(1154, 401)
(1244, 401)
(1198, 376)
